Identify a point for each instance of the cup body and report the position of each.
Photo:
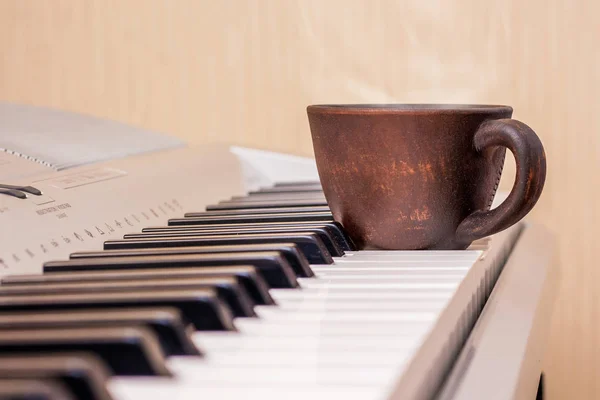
(404, 176)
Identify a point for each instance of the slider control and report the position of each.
(26, 189)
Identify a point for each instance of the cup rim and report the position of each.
(406, 108)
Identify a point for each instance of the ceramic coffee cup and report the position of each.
(411, 176)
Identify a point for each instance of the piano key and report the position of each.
(309, 243)
(166, 324)
(289, 188)
(342, 266)
(135, 389)
(420, 256)
(336, 294)
(232, 205)
(236, 343)
(323, 328)
(456, 261)
(202, 373)
(227, 289)
(396, 275)
(364, 316)
(202, 308)
(248, 277)
(280, 210)
(330, 305)
(253, 218)
(274, 268)
(379, 286)
(339, 293)
(183, 228)
(33, 389)
(356, 270)
(289, 251)
(326, 235)
(305, 358)
(333, 228)
(296, 183)
(342, 239)
(278, 196)
(83, 374)
(381, 278)
(125, 350)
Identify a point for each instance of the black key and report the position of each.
(289, 251)
(125, 350)
(166, 323)
(297, 183)
(232, 205)
(323, 231)
(202, 308)
(273, 267)
(278, 196)
(336, 228)
(84, 375)
(258, 218)
(309, 243)
(248, 277)
(290, 189)
(280, 210)
(227, 288)
(33, 389)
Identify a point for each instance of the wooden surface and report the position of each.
(244, 71)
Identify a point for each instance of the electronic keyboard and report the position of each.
(136, 266)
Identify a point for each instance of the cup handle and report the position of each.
(530, 158)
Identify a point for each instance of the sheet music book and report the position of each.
(62, 140)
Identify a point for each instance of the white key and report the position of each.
(364, 317)
(344, 262)
(305, 358)
(356, 270)
(426, 255)
(357, 306)
(125, 388)
(381, 279)
(254, 326)
(198, 373)
(315, 284)
(236, 343)
(280, 295)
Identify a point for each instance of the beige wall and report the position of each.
(244, 71)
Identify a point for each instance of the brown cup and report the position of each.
(423, 176)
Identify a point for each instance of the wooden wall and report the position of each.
(244, 71)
